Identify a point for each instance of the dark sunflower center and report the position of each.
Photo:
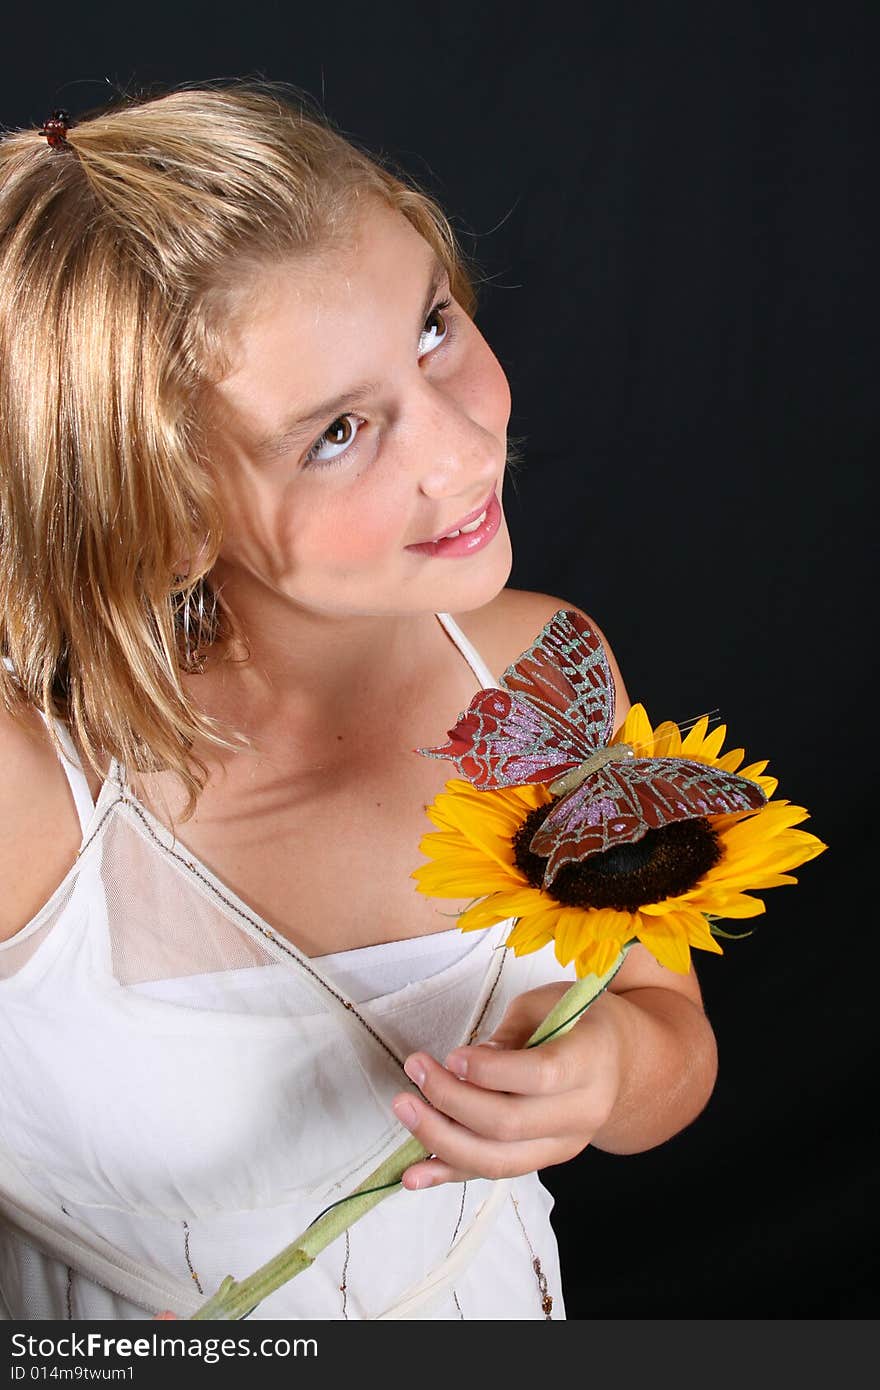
(662, 864)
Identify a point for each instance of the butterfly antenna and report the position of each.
(713, 716)
(684, 725)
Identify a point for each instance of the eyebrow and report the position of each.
(301, 425)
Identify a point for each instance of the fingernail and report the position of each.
(415, 1071)
(406, 1113)
(457, 1063)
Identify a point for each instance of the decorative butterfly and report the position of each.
(551, 722)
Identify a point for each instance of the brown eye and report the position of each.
(439, 312)
(339, 434)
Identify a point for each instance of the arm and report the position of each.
(635, 1070)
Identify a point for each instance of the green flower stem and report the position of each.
(234, 1299)
(575, 1001)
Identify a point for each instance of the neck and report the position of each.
(318, 672)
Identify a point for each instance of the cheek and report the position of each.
(347, 529)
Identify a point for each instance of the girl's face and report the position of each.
(323, 503)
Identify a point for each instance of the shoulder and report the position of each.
(39, 827)
(503, 628)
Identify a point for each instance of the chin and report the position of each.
(477, 586)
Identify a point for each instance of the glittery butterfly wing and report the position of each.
(618, 803)
(555, 707)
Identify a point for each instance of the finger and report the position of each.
(492, 1114)
(471, 1153)
(538, 1071)
(433, 1172)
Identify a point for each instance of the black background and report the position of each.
(674, 207)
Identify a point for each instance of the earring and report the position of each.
(198, 627)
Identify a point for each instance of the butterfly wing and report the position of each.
(555, 707)
(621, 801)
(565, 675)
(501, 741)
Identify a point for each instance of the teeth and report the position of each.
(465, 530)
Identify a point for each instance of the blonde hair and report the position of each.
(115, 251)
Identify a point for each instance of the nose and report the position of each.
(456, 456)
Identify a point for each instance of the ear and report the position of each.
(190, 560)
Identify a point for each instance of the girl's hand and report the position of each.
(497, 1110)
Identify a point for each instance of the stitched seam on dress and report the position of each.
(396, 1129)
(343, 1287)
(460, 1214)
(489, 997)
(68, 1294)
(83, 847)
(452, 1242)
(541, 1277)
(276, 941)
(189, 1263)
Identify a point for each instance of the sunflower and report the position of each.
(666, 890)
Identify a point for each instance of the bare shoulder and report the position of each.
(39, 827)
(502, 629)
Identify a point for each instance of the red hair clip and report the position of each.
(55, 129)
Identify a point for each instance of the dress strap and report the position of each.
(469, 652)
(76, 777)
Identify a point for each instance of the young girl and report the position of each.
(242, 395)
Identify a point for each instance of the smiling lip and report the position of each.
(467, 542)
(465, 521)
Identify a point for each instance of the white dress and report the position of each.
(183, 1091)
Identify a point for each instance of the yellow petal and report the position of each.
(769, 820)
(731, 760)
(754, 770)
(461, 885)
(485, 913)
(772, 881)
(699, 935)
(573, 931)
(525, 947)
(636, 730)
(729, 905)
(667, 740)
(494, 848)
(712, 745)
(469, 860)
(661, 909)
(724, 822)
(667, 940)
(472, 920)
(530, 934)
(596, 958)
(522, 903)
(693, 740)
